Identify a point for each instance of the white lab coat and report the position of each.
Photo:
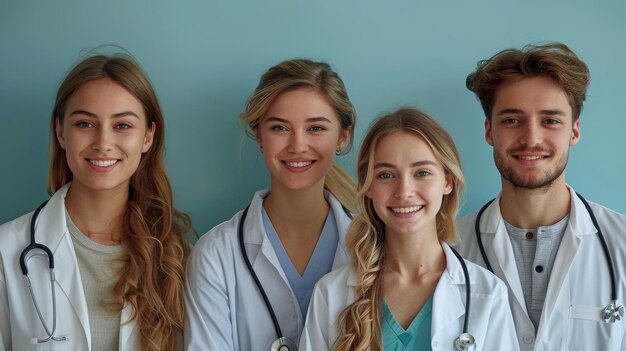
(225, 310)
(579, 287)
(18, 318)
(490, 320)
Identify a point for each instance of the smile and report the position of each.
(530, 158)
(298, 164)
(404, 210)
(103, 163)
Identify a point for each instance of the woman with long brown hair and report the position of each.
(289, 235)
(406, 288)
(117, 244)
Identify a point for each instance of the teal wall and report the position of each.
(205, 58)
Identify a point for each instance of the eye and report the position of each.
(278, 128)
(317, 128)
(422, 173)
(123, 126)
(83, 124)
(510, 121)
(384, 175)
(551, 121)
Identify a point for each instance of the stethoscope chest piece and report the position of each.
(465, 342)
(283, 344)
(613, 312)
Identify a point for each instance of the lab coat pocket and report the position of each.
(587, 330)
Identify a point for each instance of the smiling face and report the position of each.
(299, 136)
(408, 184)
(104, 133)
(531, 132)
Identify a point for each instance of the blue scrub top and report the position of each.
(416, 337)
(320, 263)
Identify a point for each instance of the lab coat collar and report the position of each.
(448, 305)
(254, 231)
(57, 237)
(51, 230)
(492, 223)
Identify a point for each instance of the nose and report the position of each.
(405, 188)
(297, 142)
(532, 134)
(103, 140)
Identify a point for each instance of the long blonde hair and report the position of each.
(156, 240)
(298, 73)
(360, 323)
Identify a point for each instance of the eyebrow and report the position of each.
(414, 164)
(116, 115)
(517, 111)
(308, 120)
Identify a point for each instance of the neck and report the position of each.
(533, 208)
(98, 214)
(296, 206)
(414, 255)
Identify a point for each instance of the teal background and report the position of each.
(205, 58)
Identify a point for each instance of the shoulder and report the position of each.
(217, 242)
(484, 282)
(338, 280)
(14, 234)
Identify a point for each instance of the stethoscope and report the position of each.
(23, 260)
(465, 341)
(612, 312)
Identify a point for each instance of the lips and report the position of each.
(103, 163)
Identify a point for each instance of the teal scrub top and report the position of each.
(415, 338)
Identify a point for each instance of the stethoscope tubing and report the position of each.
(266, 300)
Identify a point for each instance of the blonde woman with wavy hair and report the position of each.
(405, 288)
(118, 244)
(291, 234)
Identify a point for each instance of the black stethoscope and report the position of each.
(23, 261)
(612, 312)
(465, 341)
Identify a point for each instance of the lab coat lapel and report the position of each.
(492, 223)
(448, 305)
(52, 231)
(127, 329)
(255, 238)
(579, 224)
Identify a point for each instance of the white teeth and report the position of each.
(529, 158)
(406, 209)
(103, 163)
(299, 164)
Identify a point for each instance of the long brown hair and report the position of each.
(156, 240)
(298, 73)
(360, 323)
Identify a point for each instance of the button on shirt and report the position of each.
(535, 251)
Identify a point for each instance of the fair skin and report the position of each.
(407, 191)
(104, 134)
(299, 136)
(531, 132)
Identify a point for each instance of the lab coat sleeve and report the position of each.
(5, 321)
(208, 324)
(501, 333)
(316, 328)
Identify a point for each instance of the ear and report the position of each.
(257, 135)
(368, 194)
(148, 138)
(575, 133)
(58, 131)
(488, 136)
(344, 137)
(449, 184)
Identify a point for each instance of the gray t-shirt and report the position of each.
(100, 269)
(535, 251)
